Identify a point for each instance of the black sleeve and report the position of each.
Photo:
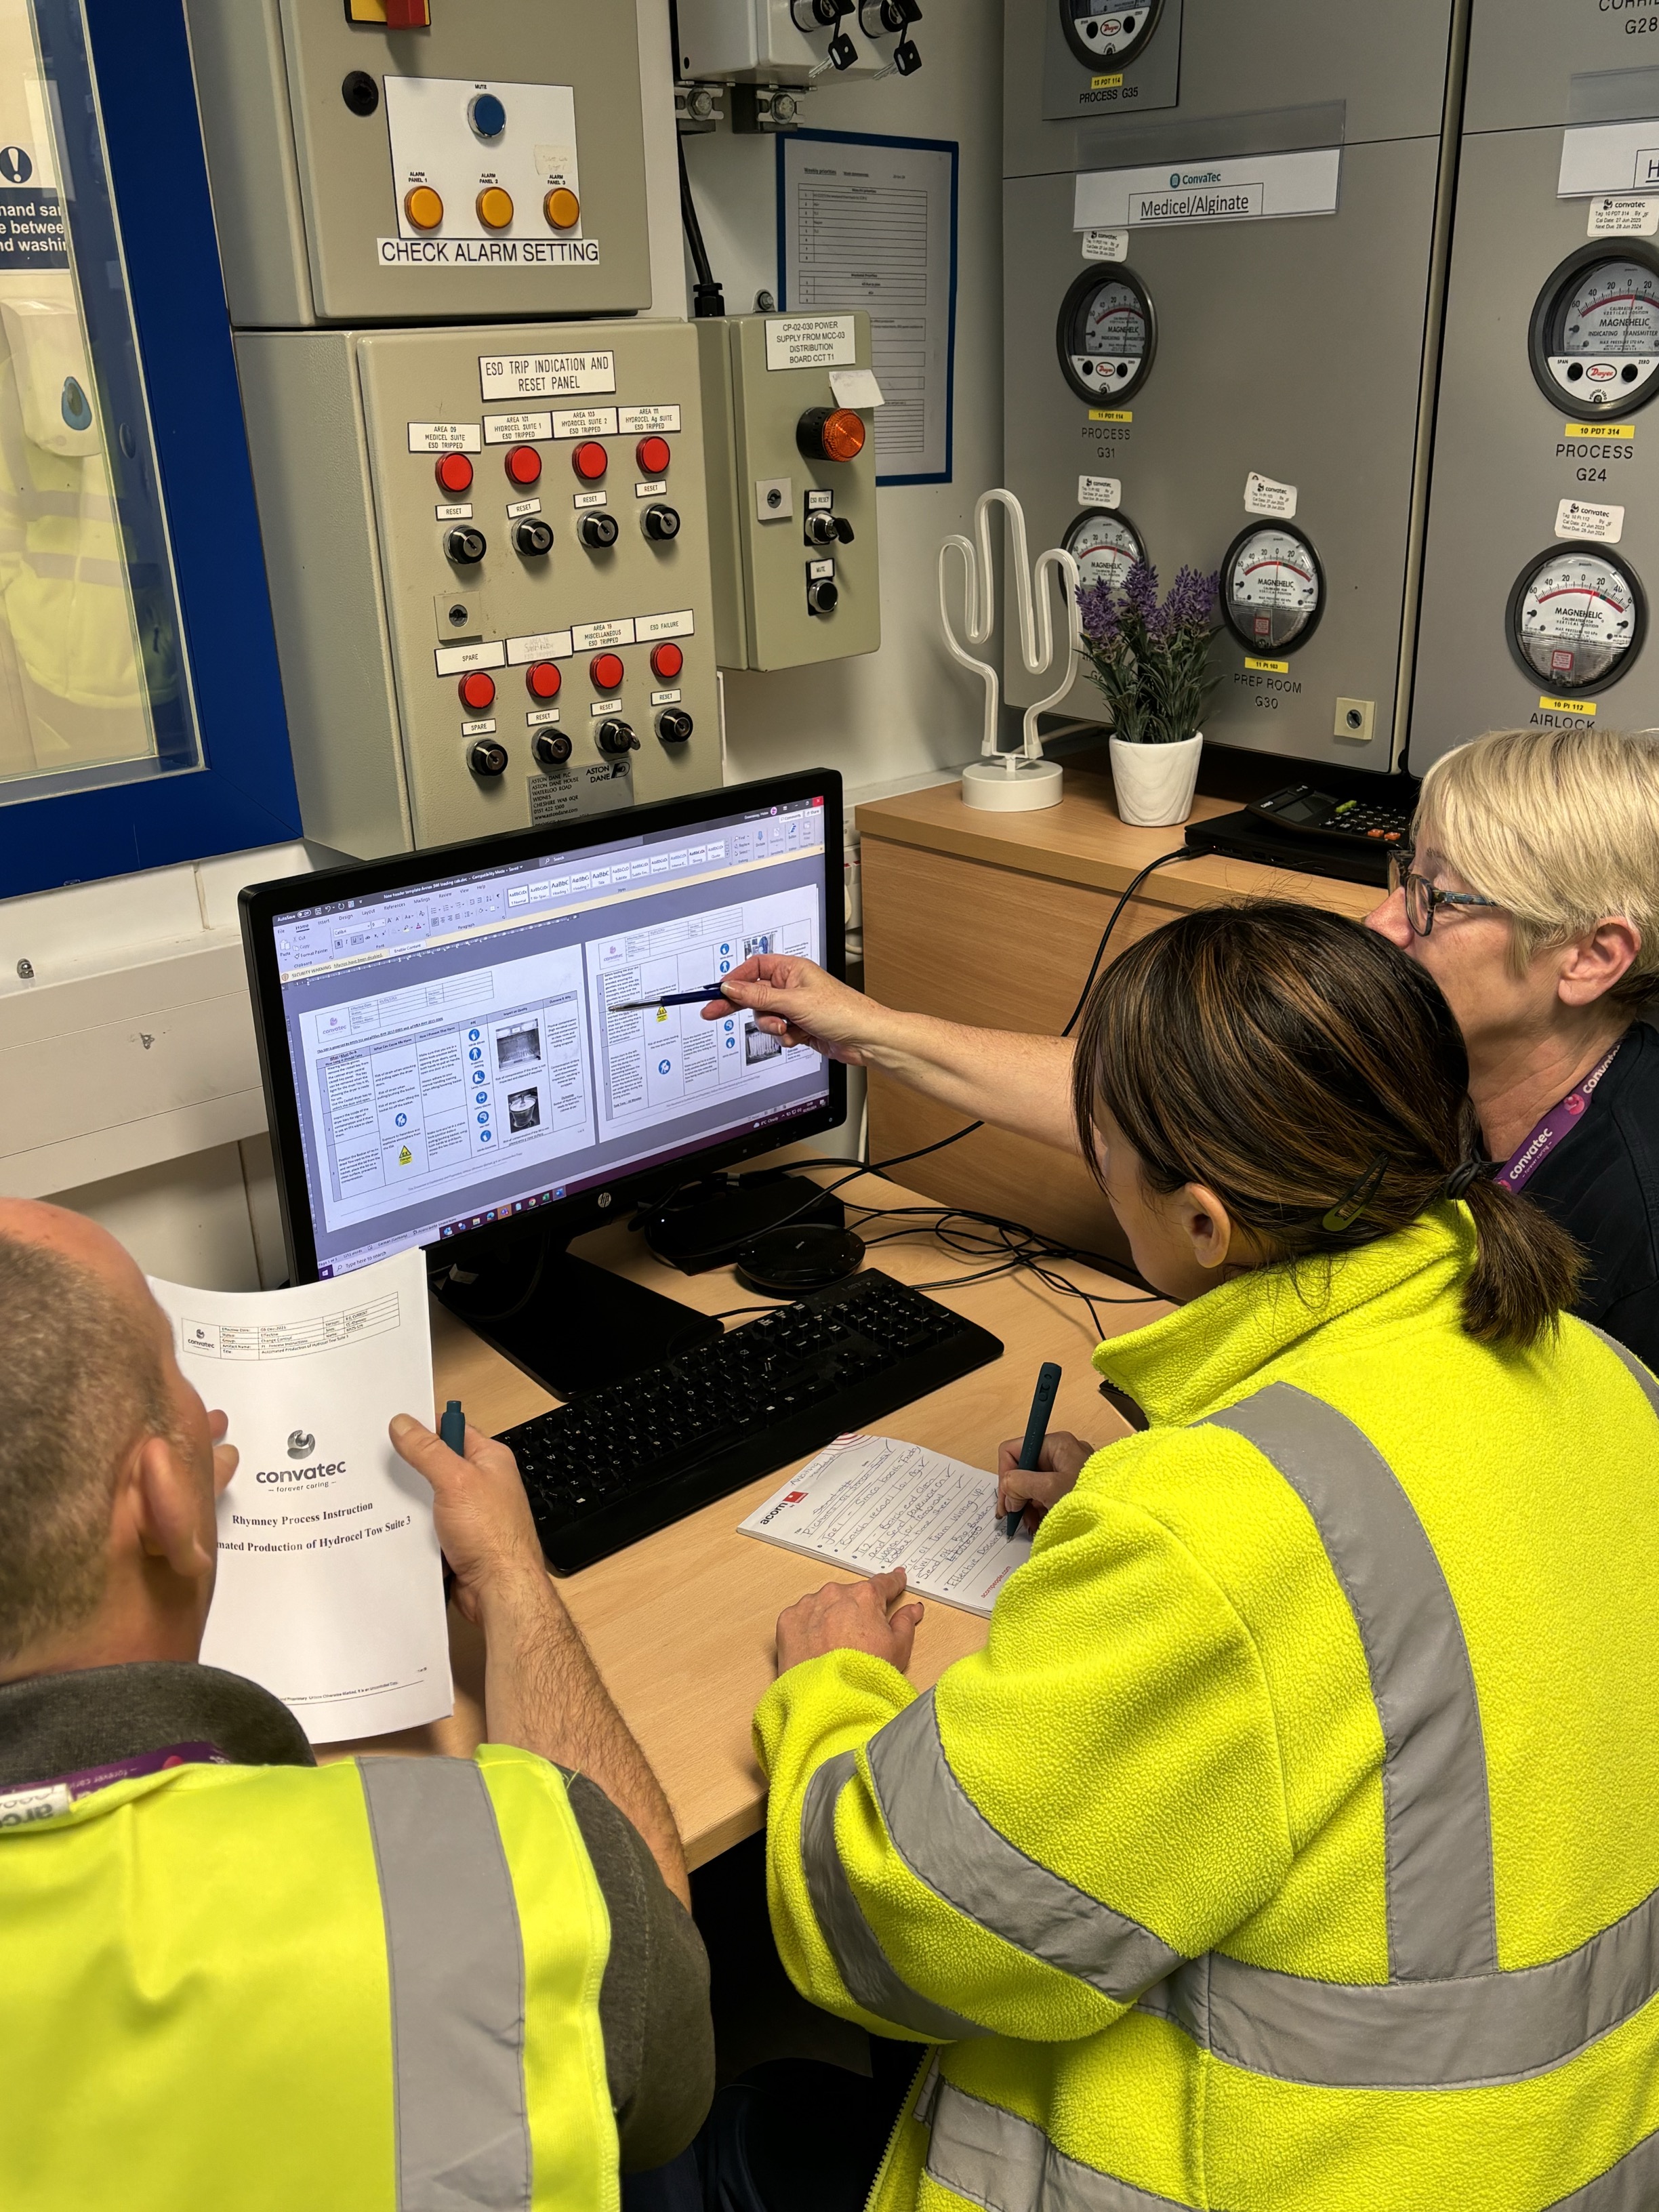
(653, 2002)
(1634, 1320)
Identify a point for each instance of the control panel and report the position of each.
(793, 42)
(422, 160)
(788, 405)
(488, 558)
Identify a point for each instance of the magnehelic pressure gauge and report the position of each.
(1576, 618)
(1595, 335)
(1107, 334)
(1273, 588)
(1097, 34)
(1105, 547)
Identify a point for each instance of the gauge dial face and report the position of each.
(1595, 333)
(1272, 589)
(1105, 547)
(1103, 36)
(1576, 616)
(1106, 334)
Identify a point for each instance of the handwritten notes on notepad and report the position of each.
(871, 1503)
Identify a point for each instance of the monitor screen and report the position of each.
(466, 1044)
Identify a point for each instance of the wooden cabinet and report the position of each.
(993, 920)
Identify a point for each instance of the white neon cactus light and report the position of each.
(1033, 603)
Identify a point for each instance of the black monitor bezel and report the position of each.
(263, 905)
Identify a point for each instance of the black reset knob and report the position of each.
(487, 758)
(534, 539)
(616, 738)
(821, 529)
(843, 530)
(550, 747)
(661, 523)
(674, 726)
(465, 545)
(597, 531)
(822, 597)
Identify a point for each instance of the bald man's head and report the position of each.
(82, 1376)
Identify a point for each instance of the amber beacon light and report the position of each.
(830, 433)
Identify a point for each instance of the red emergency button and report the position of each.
(606, 671)
(524, 465)
(653, 455)
(666, 662)
(477, 691)
(543, 679)
(590, 460)
(454, 474)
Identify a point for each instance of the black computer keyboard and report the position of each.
(609, 1467)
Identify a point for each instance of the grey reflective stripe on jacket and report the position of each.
(456, 1961)
(1436, 1821)
(951, 1848)
(993, 2158)
(1448, 2017)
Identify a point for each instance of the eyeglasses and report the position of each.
(1422, 896)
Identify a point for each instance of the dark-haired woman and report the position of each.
(1290, 1846)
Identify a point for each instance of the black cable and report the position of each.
(707, 299)
(1181, 852)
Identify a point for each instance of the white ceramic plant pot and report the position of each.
(1155, 783)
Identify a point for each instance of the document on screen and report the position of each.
(329, 1590)
(872, 1504)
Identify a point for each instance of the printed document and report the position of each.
(871, 1503)
(330, 1592)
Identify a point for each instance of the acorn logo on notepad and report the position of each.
(299, 1442)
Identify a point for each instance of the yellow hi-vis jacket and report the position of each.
(1293, 1844)
(369, 1987)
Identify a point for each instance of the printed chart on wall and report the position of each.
(871, 223)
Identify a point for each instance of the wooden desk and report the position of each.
(681, 1625)
(992, 919)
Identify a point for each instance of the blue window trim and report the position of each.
(243, 795)
(923, 145)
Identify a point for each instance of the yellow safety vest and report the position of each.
(1293, 1844)
(369, 1987)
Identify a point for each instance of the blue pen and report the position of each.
(452, 1427)
(1043, 1404)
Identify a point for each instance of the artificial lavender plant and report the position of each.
(1152, 661)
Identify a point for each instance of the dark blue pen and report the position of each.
(1043, 1404)
(452, 1427)
(672, 998)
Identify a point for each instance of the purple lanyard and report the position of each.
(1556, 1124)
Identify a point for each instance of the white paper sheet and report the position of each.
(330, 1592)
(871, 1503)
(871, 223)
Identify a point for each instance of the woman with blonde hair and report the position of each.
(1531, 895)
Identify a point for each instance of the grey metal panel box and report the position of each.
(340, 423)
(1292, 348)
(304, 188)
(766, 492)
(1502, 461)
(1552, 61)
(1387, 65)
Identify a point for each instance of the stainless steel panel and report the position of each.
(1293, 348)
(1387, 64)
(1503, 463)
(1524, 56)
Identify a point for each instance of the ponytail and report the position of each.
(1526, 1267)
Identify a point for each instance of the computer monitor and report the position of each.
(448, 1060)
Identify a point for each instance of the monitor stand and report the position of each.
(571, 1326)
